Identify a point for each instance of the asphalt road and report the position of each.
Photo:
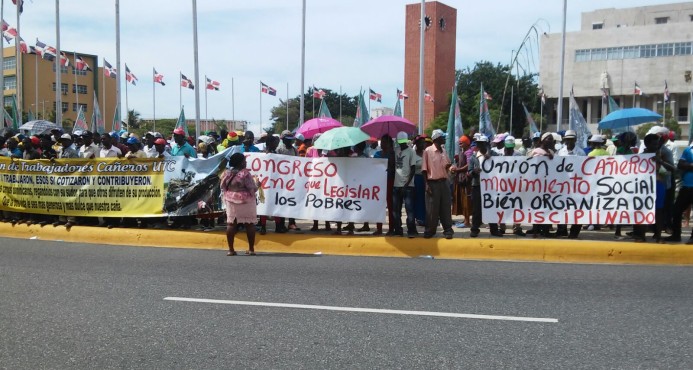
(88, 306)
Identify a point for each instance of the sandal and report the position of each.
(232, 253)
(250, 253)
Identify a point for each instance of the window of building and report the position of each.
(63, 88)
(79, 89)
(648, 51)
(661, 20)
(664, 50)
(682, 48)
(9, 63)
(65, 106)
(77, 72)
(582, 55)
(597, 26)
(10, 82)
(614, 53)
(8, 101)
(599, 54)
(75, 107)
(63, 69)
(631, 52)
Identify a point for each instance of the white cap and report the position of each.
(536, 135)
(509, 141)
(66, 136)
(482, 139)
(299, 137)
(570, 134)
(437, 133)
(597, 139)
(546, 135)
(402, 137)
(557, 137)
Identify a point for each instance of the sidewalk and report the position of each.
(592, 247)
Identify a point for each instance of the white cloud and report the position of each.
(352, 44)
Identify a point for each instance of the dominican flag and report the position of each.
(318, 93)
(129, 76)
(159, 78)
(63, 60)
(8, 32)
(24, 48)
(108, 70)
(267, 89)
(186, 82)
(81, 65)
(47, 52)
(375, 96)
(637, 90)
(429, 97)
(666, 92)
(212, 85)
(20, 5)
(401, 95)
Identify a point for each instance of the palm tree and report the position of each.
(133, 120)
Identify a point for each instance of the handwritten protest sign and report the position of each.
(569, 190)
(333, 189)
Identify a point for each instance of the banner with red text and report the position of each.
(608, 190)
(329, 189)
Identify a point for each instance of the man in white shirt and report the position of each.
(107, 148)
(403, 189)
(568, 150)
(88, 150)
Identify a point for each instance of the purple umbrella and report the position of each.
(317, 125)
(390, 125)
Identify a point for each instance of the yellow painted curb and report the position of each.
(542, 250)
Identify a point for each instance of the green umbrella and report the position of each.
(340, 137)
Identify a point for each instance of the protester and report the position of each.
(545, 149)
(596, 142)
(387, 151)
(279, 227)
(301, 145)
(134, 149)
(238, 190)
(654, 144)
(483, 153)
(181, 147)
(286, 147)
(403, 187)
(108, 150)
(438, 199)
(419, 182)
(47, 151)
(160, 146)
(88, 149)
(462, 190)
(569, 150)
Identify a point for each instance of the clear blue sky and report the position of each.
(348, 43)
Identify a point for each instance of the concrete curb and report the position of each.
(506, 249)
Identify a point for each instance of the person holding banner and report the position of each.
(238, 191)
(546, 147)
(88, 149)
(483, 153)
(568, 150)
(434, 168)
(403, 187)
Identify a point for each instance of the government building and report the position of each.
(615, 49)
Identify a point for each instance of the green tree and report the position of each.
(133, 120)
(494, 77)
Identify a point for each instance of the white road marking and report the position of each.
(368, 310)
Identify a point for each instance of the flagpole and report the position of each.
(301, 115)
(233, 113)
(20, 87)
(36, 78)
(421, 65)
(634, 85)
(369, 101)
(541, 115)
(74, 69)
(127, 108)
(206, 120)
(560, 90)
(197, 71)
(287, 105)
(180, 91)
(118, 69)
(260, 106)
(153, 101)
(340, 103)
(512, 92)
(58, 70)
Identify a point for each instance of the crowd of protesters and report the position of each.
(420, 177)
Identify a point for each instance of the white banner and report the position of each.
(569, 190)
(326, 189)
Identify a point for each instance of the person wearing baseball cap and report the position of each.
(403, 187)
(181, 147)
(547, 145)
(569, 150)
(483, 153)
(286, 147)
(597, 143)
(435, 168)
(68, 149)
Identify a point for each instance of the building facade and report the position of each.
(614, 50)
(439, 58)
(77, 87)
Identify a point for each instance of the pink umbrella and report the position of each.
(390, 125)
(317, 125)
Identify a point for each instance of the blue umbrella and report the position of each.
(628, 117)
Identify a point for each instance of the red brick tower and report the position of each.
(439, 58)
